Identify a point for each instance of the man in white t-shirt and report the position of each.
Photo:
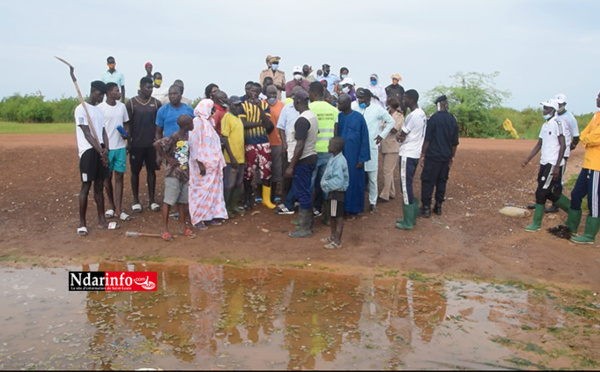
(115, 114)
(571, 132)
(552, 146)
(411, 142)
(92, 143)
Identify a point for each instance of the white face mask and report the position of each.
(346, 90)
(297, 77)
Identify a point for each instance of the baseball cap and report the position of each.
(234, 100)
(441, 98)
(561, 98)
(297, 70)
(550, 103)
(347, 81)
(148, 64)
(362, 92)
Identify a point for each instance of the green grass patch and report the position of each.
(39, 128)
(142, 258)
(416, 276)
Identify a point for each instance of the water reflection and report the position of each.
(226, 317)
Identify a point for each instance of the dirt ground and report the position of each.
(39, 215)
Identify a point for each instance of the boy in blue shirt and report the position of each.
(335, 182)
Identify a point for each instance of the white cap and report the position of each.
(347, 80)
(297, 70)
(550, 103)
(561, 98)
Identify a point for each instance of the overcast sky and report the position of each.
(540, 47)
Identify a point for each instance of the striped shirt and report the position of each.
(251, 113)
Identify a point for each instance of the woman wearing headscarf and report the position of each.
(377, 90)
(207, 204)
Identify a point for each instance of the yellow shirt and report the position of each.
(590, 138)
(233, 128)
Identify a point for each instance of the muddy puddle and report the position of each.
(206, 316)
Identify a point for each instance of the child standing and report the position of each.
(175, 150)
(335, 182)
(552, 146)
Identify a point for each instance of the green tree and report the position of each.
(472, 98)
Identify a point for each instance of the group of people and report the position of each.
(559, 136)
(317, 151)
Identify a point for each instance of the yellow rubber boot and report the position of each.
(266, 197)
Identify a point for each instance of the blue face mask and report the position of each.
(274, 66)
(344, 76)
(547, 116)
(362, 105)
(373, 82)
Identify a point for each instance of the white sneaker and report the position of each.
(282, 209)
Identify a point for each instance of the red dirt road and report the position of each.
(39, 216)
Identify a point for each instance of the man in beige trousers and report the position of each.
(389, 151)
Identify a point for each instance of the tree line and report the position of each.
(473, 98)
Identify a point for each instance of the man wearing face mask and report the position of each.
(338, 86)
(552, 146)
(298, 80)
(159, 90)
(114, 76)
(377, 90)
(331, 79)
(571, 136)
(307, 73)
(374, 115)
(439, 148)
(348, 88)
(273, 72)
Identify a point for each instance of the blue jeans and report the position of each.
(301, 184)
(290, 198)
(315, 181)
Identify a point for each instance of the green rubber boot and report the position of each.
(410, 216)
(235, 202)
(573, 220)
(538, 215)
(415, 204)
(563, 203)
(592, 224)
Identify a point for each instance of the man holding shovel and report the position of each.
(93, 154)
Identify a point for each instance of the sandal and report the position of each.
(125, 217)
(110, 213)
(136, 208)
(154, 207)
(327, 239)
(214, 223)
(166, 236)
(187, 232)
(333, 245)
(82, 231)
(201, 226)
(111, 226)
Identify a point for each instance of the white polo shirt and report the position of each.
(549, 134)
(570, 127)
(414, 127)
